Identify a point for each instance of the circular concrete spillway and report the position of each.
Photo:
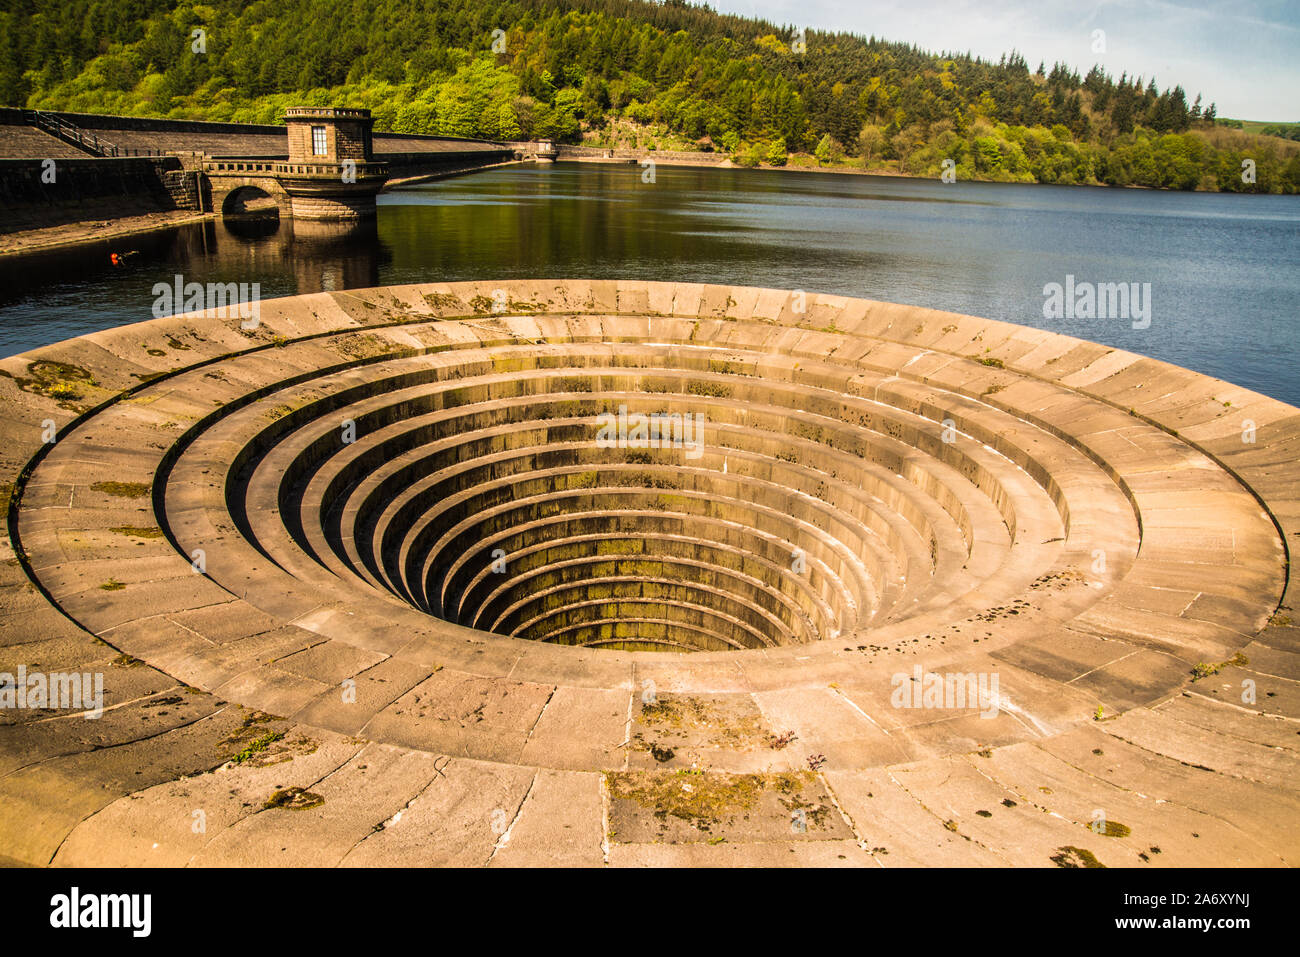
(461, 519)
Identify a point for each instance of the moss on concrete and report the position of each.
(702, 799)
(293, 799)
(138, 531)
(1075, 857)
(123, 489)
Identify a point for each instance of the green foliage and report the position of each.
(829, 150)
(574, 68)
(478, 100)
(750, 154)
(871, 138)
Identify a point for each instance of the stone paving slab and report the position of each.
(336, 812)
(558, 824)
(169, 824)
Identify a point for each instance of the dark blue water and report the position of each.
(1224, 269)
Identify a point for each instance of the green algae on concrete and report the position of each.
(293, 799)
(123, 489)
(691, 805)
(138, 531)
(1075, 857)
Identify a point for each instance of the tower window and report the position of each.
(318, 147)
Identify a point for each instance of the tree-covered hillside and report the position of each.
(570, 69)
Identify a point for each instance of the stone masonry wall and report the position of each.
(88, 188)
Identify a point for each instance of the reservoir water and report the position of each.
(1224, 270)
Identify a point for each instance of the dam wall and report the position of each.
(89, 187)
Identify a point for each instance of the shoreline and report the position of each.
(87, 231)
(703, 163)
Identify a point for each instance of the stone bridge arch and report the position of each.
(248, 198)
(231, 183)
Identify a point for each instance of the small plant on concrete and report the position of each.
(1205, 669)
(779, 741)
(257, 746)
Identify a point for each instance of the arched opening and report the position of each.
(250, 202)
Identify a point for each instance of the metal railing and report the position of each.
(87, 140)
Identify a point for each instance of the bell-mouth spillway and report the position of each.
(594, 500)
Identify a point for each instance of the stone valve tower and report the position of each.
(331, 173)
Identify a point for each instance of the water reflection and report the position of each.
(330, 256)
(54, 295)
(319, 256)
(252, 229)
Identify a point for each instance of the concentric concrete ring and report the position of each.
(390, 526)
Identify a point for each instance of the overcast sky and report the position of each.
(1244, 54)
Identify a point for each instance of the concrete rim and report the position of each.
(1141, 459)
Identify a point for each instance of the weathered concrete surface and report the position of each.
(276, 546)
